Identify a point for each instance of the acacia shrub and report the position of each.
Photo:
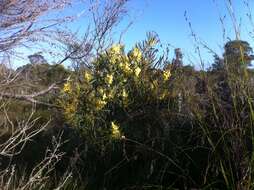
(127, 109)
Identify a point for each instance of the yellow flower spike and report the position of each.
(116, 49)
(113, 59)
(163, 94)
(109, 79)
(100, 90)
(69, 110)
(126, 68)
(166, 74)
(100, 104)
(137, 54)
(87, 76)
(104, 96)
(124, 94)
(110, 95)
(116, 134)
(137, 71)
(67, 87)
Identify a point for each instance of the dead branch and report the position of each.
(20, 135)
(29, 97)
(105, 15)
(19, 21)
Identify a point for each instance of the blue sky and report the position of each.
(166, 18)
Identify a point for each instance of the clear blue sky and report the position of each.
(166, 18)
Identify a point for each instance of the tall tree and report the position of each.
(218, 64)
(178, 60)
(238, 54)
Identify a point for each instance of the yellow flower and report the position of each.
(163, 94)
(87, 76)
(124, 94)
(111, 94)
(113, 59)
(125, 98)
(166, 74)
(104, 96)
(67, 87)
(126, 68)
(109, 79)
(116, 49)
(116, 134)
(100, 104)
(137, 71)
(69, 110)
(102, 93)
(100, 90)
(136, 53)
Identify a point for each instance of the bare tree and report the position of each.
(23, 23)
(20, 21)
(18, 28)
(105, 16)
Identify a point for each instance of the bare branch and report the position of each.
(29, 97)
(19, 21)
(105, 16)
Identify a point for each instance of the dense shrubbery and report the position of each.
(111, 92)
(163, 127)
(118, 119)
(138, 121)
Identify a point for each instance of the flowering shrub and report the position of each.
(118, 84)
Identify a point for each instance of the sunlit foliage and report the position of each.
(118, 80)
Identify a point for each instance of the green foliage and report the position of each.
(163, 128)
(127, 104)
(238, 53)
(218, 64)
(118, 85)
